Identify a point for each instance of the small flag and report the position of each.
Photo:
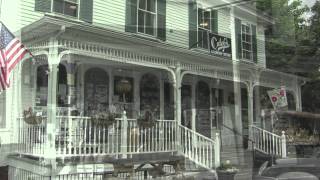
(278, 98)
(12, 52)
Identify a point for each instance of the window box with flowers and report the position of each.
(105, 119)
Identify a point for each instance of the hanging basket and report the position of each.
(147, 120)
(104, 119)
(31, 118)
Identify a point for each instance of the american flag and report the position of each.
(12, 52)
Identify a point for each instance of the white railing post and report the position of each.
(283, 145)
(124, 131)
(217, 151)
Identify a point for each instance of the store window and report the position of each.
(150, 94)
(96, 91)
(42, 85)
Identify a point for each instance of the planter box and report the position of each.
(224, 175)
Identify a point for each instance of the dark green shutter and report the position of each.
(238, 38)
(161, 29)
(131, 16)
(42, 5)
(193, 14)
(214, 21)
(254, 43)
(86, 9)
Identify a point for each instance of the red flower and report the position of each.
(274, 99)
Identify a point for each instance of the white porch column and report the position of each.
(53, 60)
(250, 113)
(236, 76)
(298, 97)
(177, 87)
(161, 98)
(193, 104)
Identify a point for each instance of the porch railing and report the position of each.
(77, 136)
(268, 142)
(200, 149)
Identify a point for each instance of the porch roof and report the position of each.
(50, 24)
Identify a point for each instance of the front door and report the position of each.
(203, 122)
(216, 112)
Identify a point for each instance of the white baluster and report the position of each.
(284, 145)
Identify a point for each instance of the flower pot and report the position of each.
(226, 175)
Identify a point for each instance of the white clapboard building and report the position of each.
(193, 68)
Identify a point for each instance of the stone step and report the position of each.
(238, 158)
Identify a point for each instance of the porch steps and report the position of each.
(241, 158)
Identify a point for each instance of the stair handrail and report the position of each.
(269, 142)
(200, 149)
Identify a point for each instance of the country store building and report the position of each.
(198, 66)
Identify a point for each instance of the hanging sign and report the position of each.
(278, 98)
(220, 45)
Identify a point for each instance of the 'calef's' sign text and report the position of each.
(220, 45)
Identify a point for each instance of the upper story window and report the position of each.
(67, 7)
(204, 28)
(246, 41)
(146, 17)
(202, 22)
(81, 9)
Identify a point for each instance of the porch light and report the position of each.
(123, 86)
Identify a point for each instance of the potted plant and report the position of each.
(32, 118)
(146, 120)
(105, 119)
(227, 171)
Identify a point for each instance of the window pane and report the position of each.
(150, 23)
(58, 6)
(248, 38)
(71, 9)
(142, 4)
(141, 21)
(151, 5)
(206, 20)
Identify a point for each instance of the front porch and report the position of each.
(198, 101)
